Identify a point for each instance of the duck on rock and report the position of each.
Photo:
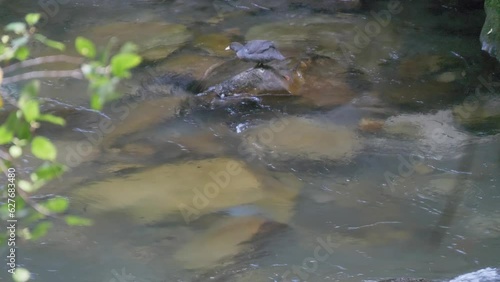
(259, 51)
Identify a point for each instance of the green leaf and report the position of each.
(8, 128)
(21, 275)
(17, 27)
(32, 19)
(25, 185)
(6, 135)
(121, 63)
(57, 205)
(51, 43)
(77, 221)
(22, 53)
(47, 172)
(15, 151)
(96, 102)
(30, 90)
(40, 230)
(52, 119)
(43, 149)
(31, 110)
(23, 131)
(128, 47)
(85, 47)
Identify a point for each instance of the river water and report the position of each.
(380, 163)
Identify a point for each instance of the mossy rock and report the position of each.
(490, 34)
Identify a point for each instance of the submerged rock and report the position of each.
(191, 189)
(219, 243)
(479, 114)
(322, 82)
(160, 40)
(188, 190)
(214, 44)
(298, 137)
(139, 116)
(484, 226)
(434, 134)
(342, 37)
(189, 64)
(329, 5)
(424, 81)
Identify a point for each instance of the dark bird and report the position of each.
(259, 51)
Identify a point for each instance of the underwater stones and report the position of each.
(329, 5)
(444, 68)
(370, 125)
(322, 83)
(156, 40)
(187, 190)
(345, 37)
(424, 81)
(479, 113)
(434, 133)
(420, 94)
(191, 64)
(296, 33)
(218, 244)
(214, 44)
(484, 226)
(303, 138)
(138, 116)
(490, 34)
(281, 191)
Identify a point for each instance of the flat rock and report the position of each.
(298, 137)
(187, 189)
(221, 242)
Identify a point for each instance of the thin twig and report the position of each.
(76, 73)
(43, 60)
(36, 206)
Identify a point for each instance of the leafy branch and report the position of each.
(18, 133)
